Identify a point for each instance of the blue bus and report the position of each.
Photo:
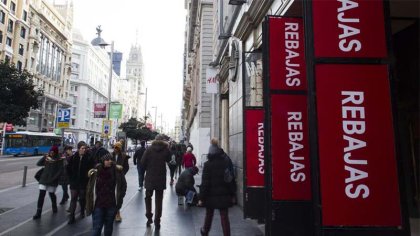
(29, 143)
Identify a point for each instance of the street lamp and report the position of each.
(103, 45)
(145, 106)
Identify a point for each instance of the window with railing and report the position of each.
(21, 49)
(23, 32)
(13, 8)
(10, 26)
(2, 16)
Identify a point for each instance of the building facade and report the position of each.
(49, 55)
(237, 54)
(198, 56)
(88, 86)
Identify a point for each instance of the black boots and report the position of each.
(71, 219)
(38, 214)
(64, 199)
(53, 202)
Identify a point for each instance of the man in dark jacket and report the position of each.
(154, 162)
(98, 151)
(137, 158)
(78, 166)
(215, 192)
(185, 183)
(108, 182)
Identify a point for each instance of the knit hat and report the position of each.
(54, 149)
(118, 145)
(107, 156)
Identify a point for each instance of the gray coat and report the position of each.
(154, 163)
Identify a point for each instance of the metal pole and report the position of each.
(109, 91)
(25, 171)
(155, 117)
(145, 109)
(3, 141)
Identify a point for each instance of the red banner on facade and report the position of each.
(254, 142)
(349, 28)
(358, 172)
(99, 110)
(287, 54)
(291, 178)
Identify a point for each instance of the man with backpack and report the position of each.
(137, 158)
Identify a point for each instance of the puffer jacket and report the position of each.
(78, 171)
(52, 170)
(120, 186)
(214, 191)
(154, 163)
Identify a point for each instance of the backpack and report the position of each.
(173, 160)
(228, 174)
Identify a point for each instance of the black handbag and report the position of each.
(38, 174)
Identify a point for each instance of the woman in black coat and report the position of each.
(215, 192)
(48, 182)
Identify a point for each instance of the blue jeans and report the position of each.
(140, 171)
(103, 217)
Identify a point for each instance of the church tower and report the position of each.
(135, 76)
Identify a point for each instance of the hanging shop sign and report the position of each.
(349, 28)
(290, 162)
(254, 140)
(116, 111)
(358, 173)
(212, 82)
(99, 110)
(287, 54)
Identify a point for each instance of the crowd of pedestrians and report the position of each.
(97, 181)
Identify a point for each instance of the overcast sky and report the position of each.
(160, 26)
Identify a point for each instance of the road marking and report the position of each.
(20, 159)
(22, 223)
(15, 187)
(65, 223)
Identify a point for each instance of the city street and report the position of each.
(11, 170)
(18, 204)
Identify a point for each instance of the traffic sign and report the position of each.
(106, 128)
(63, 118)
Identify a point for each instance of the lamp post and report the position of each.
(155, 107)
(109, 85)
(145, 106)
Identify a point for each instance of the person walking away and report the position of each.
(185, 185)
(154, 162)
(78, 166)
(137, 158)
(215, 192)
(53, 168)
(189, 159)
(105, 191)
(64, 178)
(172, 163)
(179, 157)
(120, 158)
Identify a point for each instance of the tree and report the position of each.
(137, 130)
(18, 94)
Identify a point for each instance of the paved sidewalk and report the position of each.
(176, 220)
